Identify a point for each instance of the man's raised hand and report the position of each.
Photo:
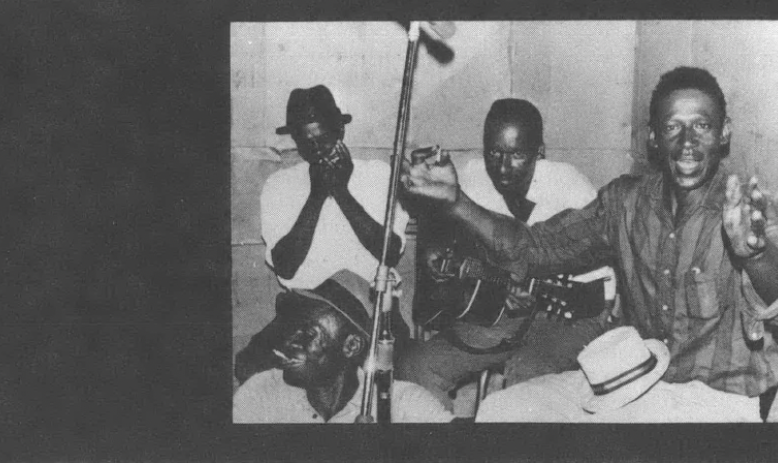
(432, 180)
(750, 217)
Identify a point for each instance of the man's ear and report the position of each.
(726, 131)
(353, 345)
(651, 142)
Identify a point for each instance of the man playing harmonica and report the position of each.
(322, 215)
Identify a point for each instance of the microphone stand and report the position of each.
(379, 364)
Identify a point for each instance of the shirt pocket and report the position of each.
(701, 296)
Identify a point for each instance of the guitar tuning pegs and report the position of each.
(568, 315)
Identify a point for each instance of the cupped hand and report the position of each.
(750, 217)
(341, 167)
(436, 181)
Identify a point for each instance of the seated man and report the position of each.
(318, 379)
(696, 249)
(619, 382)
(323, 215)
(515, 181)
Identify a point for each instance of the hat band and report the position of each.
(625, 378)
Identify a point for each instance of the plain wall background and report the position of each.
(591, 81)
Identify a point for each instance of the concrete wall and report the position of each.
(743, 56)
(579, 74)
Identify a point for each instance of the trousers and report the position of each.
(550, 346)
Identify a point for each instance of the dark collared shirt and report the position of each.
(678, 283)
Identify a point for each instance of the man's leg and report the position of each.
(439, 366)
(552, 347)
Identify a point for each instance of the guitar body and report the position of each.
(475, 291)
(474, 301)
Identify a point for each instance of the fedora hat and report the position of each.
(620, 366)
(307, 105)
(345, 292)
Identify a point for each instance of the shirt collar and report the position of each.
(354, 405)
(532, 192)
(713, 197)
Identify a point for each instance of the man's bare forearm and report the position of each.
(482, 223)
(369, 232)
(291, 250)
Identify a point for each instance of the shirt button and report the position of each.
(672, 235)
(755, 336)
(666, 271)
(665, 340)
(665, 307)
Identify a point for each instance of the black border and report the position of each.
(116, 296)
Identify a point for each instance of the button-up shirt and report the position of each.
(266, 398)
(678, 279)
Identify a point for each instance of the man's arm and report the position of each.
(751, 222)
(573, 239)
(291, 250)
(369, 232)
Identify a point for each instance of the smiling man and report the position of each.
(696, 249)
(323, 341)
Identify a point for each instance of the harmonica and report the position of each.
(422, 154)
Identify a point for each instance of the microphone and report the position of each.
(438, 30)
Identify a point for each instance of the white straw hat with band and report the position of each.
(620, 367)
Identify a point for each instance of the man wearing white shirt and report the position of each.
(515, 180)
(325, 214)
(323, 338)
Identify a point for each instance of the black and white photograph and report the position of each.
(504, 221)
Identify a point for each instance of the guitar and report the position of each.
(476, 293)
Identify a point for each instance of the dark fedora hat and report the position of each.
(315, 104)
(345, 292)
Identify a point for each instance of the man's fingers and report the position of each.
(734, 190)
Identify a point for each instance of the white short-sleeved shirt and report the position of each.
(555, 186)
(335, 245)
(266, 398)
(557, 398)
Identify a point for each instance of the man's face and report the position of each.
(690, 134)
(509, 158)
(313, 346)
(315, 141)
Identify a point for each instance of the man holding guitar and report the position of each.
(514, 180)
